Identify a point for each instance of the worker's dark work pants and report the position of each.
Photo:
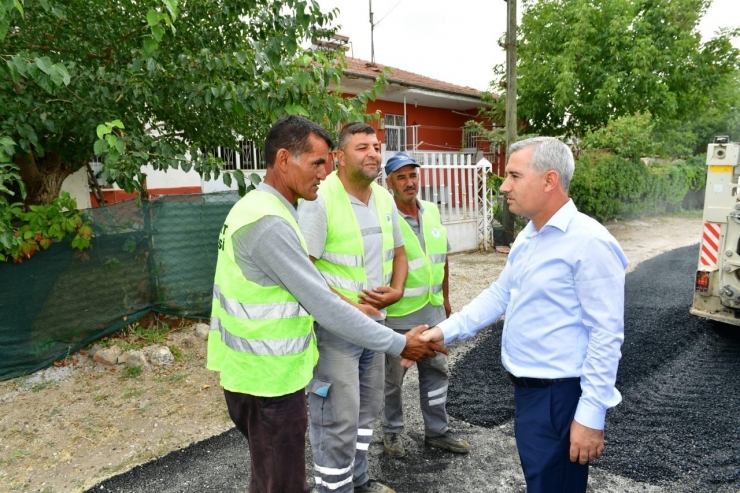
(275, 428)
(542, 427)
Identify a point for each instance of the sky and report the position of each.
(453, 40)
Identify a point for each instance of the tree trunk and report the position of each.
(43, 177)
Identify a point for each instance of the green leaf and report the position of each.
(58, 13)
(296, 109)
(102, 130)
(227, 179)
(171, 8)
(62, 71)
(100, 147)
(153, 17)
(150, 46)
(44, 63)
(239, 177)
(158, 33)
(19, 7)
(12, 69)
(4, 23)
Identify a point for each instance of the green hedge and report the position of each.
(606, 186)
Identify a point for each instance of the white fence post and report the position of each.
(485, 213)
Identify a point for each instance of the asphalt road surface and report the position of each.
(677, 429)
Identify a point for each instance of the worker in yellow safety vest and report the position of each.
(266, 296)
(354, 238)
(425, 301)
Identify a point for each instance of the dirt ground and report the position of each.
(67, 428)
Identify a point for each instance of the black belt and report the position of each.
(540, 383)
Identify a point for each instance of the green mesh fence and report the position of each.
(160, 257)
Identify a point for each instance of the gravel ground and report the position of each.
(676, 430)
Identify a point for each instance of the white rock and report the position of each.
(201, 331)
(159, 355)
(108, 356)
(136, 358)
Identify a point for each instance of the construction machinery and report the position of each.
(717, 283)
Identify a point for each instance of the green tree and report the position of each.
(585, 62)
(152, 82)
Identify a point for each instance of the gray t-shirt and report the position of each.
(428, 314)
(269, 253)
(313, 223)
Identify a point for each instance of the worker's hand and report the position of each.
(380, 297)
(433, 335)
(416, 349)
(448, 308)
(586, 444)
(369, 310)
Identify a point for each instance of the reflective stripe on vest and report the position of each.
(283, 309)
(343, 262)
(264, 347)
(267, 348)
(426, 270)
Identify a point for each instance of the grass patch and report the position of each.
(39, 387)
(135, 337)
(131, 392)
(176, 353)
(133, 372)
(15, 456)
(178, 377)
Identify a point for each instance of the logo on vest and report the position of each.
(435, 232)
(388, 217)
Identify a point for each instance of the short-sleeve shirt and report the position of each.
(428, 314)
(313, 223)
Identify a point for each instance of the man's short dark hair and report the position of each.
(354, 128)
(292, 132)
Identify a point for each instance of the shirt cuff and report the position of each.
(398, 345)
(449, 330)
(589, 415)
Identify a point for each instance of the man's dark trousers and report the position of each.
(542, 426)
(275, 428)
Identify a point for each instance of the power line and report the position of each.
(391, 10)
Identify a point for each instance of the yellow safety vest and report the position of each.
(343, 262)
(426, 269)
(261, 339)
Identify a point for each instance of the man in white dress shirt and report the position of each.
(562, 292)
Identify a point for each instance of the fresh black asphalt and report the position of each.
(678, 426)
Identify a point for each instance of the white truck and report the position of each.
(717, 284)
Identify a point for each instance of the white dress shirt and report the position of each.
(562, 292)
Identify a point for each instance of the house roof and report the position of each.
(428, 90)
(355, 66)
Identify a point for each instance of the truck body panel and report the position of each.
(717, 282)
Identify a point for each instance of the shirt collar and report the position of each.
(561, 219)
(421, 210)
(264, 187)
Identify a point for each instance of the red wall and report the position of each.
(439, 129)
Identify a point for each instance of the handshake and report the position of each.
(422, 342)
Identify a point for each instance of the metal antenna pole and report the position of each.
(372, 28)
